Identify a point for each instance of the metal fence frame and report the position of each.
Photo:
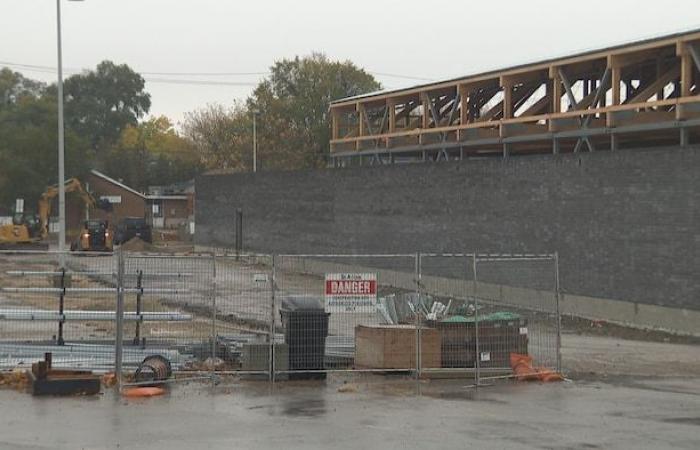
(274, 266)
(552, 308)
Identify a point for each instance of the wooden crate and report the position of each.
(394, 347)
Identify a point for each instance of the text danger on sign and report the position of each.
(351, 293)
(351, 287)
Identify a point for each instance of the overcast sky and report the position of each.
(433, 39)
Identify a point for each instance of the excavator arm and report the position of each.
(44, 206)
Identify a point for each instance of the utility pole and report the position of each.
(255, 113)
(61, 141)
(61, 138)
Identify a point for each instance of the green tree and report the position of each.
(100, 104)
(293, 116)
(14, 87)
(28, 150)
(294, 119)
(151, 153)
(221, 136)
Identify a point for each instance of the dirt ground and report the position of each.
(600, 357)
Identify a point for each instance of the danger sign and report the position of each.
(351, 292)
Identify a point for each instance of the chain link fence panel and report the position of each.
(57, 302)
(168, 305)
(282, 316)
(517, 304)
(341, 312)
(448, 307)
(243, 314)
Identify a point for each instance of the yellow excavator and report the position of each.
(29, 231)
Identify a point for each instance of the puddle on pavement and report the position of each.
(304, 408)
(684, 420)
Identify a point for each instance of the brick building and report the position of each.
(172, 206)
(162, 209)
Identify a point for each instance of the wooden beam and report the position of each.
(474, 86)
(517, 96)
(568, 88)
(686, 74)
(557, 92)
(392, 114)
(562, 115)
(654, 45)
(385, 117)
(616, 80)
(463, 101)
(537, 107)
(495, 111)
(535, 77)
(362, 118)
(507, 102)
(404, 113)
(686, 81)
(659, 72)
(425, 99)
(628, 59)
(586, 101)
(650, 90)
(453, 109)
(334, 124)
(615, 85)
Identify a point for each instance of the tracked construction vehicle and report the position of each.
(30, 231)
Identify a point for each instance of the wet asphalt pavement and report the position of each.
(376, 413)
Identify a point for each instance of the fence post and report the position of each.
(119, 335)
(214, 338)
(417, 313)
(477, 356)
(139, 299)
(239, 233)
(271, 351)
(61, 306)
(557, 295)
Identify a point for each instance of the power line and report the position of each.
(207, 74)
(407, 77)
(74, 70)
(201, 82)
(50, 69)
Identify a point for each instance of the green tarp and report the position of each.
(492, 317)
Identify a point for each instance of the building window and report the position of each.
(156, 209)
(113, 199)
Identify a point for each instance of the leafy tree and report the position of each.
(151, 153)
(293, 120)
(100, 104)
(14, 87)
(28, 150)
(221, 136)
(294, 117)
(103, 108)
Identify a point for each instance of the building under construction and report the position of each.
(641, 94)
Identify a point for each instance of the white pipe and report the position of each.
(106, 316)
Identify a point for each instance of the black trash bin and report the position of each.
(305, 324)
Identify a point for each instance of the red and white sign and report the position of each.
(351, 292)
